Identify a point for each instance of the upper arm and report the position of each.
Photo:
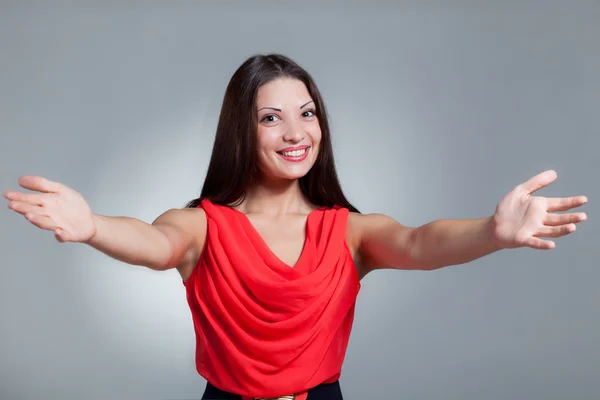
(185, 230)
(381, 241)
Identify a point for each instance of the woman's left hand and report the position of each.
(521, 219)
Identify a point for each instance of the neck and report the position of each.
(275, 198)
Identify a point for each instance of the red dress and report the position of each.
(263, 328)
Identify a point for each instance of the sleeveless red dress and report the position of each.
(263, 328)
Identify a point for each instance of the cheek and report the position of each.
(267, 140)
(315, 135)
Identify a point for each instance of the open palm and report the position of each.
(521, 219)
(55, 207)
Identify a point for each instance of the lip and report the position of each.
(293, 148)
(297, 158)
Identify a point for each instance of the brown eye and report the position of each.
(269, 118)
(308, 113)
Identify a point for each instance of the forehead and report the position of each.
(281, 92)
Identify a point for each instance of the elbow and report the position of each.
(406, 254)
(416, 256)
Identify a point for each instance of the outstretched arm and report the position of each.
(520, 220)
(175, 237)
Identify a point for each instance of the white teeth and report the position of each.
(294, 153)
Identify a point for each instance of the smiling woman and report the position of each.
(271, 253)
(272, 195)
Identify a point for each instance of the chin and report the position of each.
(288, 173)
(282, 173)
(294, 176)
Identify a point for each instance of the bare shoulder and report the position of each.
(186, 227)
(191, 221)
(374, 237)
(357, 228)
(360, 224)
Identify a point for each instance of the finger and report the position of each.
(39, 184)
(31, 198)
(565, 203)
(540, 244)
(563, 219)
(556, 231)
(41, 221)
(24, 208)
(539, 181)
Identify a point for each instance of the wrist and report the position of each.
(96, 222)
(492, 231)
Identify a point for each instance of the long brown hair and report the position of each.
(233, 168)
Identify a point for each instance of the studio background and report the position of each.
(437, 110)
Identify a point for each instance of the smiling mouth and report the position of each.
(294, 153)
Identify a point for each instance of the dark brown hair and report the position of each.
(232, 168)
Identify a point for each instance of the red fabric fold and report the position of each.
(264, 328)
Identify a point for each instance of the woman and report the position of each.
(272, 253)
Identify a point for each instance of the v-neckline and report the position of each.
(248, 223)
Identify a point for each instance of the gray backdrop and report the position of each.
(437, 110)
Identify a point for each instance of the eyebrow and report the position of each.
(305, 104)
(278, 109)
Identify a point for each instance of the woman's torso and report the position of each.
(282, 290)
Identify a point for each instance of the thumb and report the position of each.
(59, 234)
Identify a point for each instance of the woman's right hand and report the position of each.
(56, 208)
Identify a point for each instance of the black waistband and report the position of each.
(325, 391)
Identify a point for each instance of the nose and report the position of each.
(294, 133)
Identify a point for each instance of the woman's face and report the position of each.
(288, 129)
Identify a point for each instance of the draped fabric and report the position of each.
(264, 328)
